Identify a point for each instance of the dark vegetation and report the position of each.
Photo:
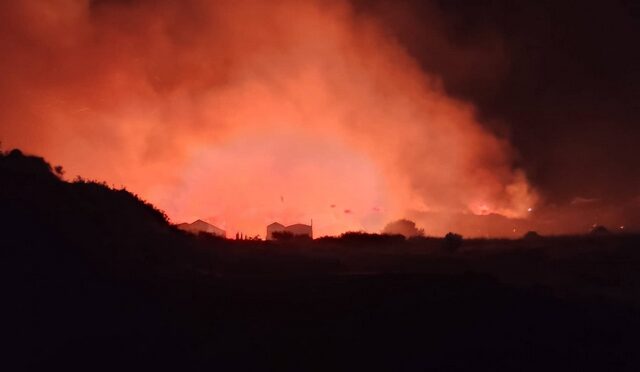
(403, 227)
(287, 236)
(93, 277)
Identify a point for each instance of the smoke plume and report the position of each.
(246, 112)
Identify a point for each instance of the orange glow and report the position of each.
(247, 112)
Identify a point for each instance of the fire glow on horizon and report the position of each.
(248, 112)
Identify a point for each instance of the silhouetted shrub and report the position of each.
(364, 240)
(403, 227)
(452, 242)
(600, 230)
(531, 235)
(33, 166)
(282, 236)
(286, 236)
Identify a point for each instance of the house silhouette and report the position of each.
(201, 226)
(297, 229)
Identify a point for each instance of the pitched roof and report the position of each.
(201, 222)
(200, 225)
(299, 225)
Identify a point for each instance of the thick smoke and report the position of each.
(246, 112)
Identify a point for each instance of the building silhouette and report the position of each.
(201, 226)
(297, 229)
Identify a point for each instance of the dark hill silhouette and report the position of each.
(89, 218)
(94, 277)
(75, 259)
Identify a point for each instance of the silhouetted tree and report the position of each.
(531, 235)
(452, 242)
(404, 227)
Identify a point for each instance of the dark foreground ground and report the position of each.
(93, 278)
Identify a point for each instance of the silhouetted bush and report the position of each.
(452, 242)
(403, 227)
(599, 230)
(282, 236)
(287, 236)
(19, 164)
(59, 170)
(364, 240)
(532, 235)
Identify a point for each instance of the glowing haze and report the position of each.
(247, 112)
